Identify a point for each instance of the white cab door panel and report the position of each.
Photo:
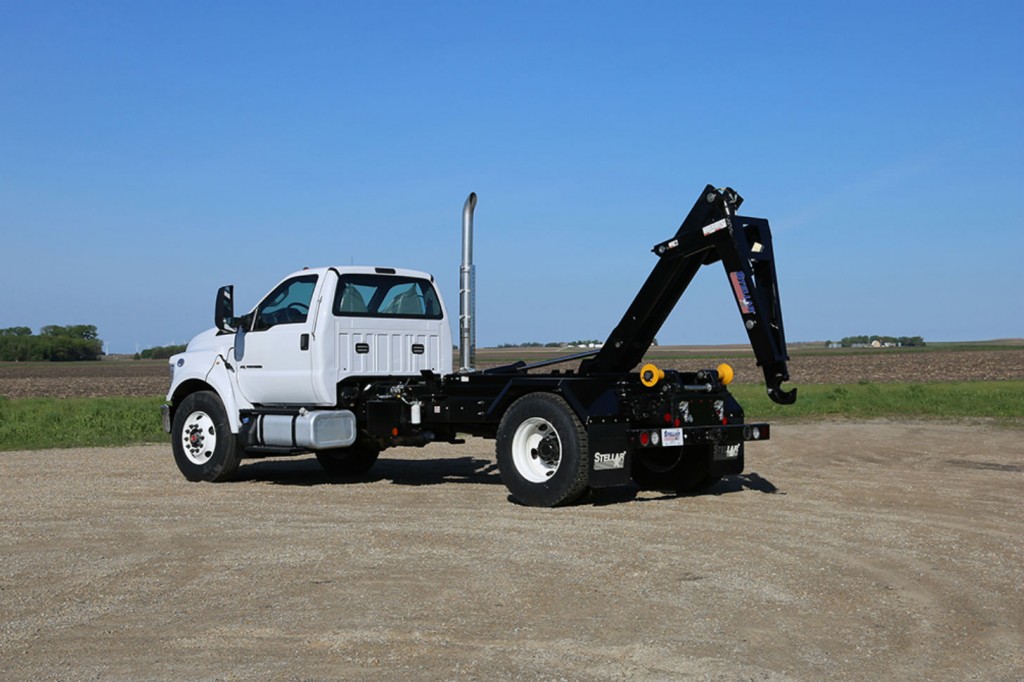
(273, 358)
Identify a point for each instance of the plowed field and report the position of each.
(149, 377)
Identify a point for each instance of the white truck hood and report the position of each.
(209, 340)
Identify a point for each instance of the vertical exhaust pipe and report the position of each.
(467, 290)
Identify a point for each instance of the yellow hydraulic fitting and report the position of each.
(650, 375)
(725, 374)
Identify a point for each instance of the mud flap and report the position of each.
(384, 415)
(609, 455)
(726, 459)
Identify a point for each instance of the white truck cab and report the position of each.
(317, 328)
(320, 326)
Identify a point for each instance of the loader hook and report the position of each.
(782, 397)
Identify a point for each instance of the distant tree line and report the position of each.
(53, 342)
(867, 340)
(553, 344)
(159, 352)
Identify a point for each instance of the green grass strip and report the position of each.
(1000, 400)
(35, 423)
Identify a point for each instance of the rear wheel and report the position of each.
(355, 460)
(204, 447)
(542, 451)
(674, 469)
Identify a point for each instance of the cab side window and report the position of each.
(287, 304)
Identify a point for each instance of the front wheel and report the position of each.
(542, 451)
(204, 447)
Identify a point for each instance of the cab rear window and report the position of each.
(386, 296)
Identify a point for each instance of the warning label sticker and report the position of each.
(715, 226)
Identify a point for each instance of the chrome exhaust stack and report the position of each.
(467, 294)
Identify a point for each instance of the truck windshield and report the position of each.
(386, 296)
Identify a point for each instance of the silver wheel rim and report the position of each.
(536, 450)
(199, 437)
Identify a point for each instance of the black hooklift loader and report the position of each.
(561, 433)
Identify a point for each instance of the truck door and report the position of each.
(274, 359)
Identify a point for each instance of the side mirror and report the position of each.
(224, 310)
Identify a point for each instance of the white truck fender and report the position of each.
(210, 368)
(221, 381)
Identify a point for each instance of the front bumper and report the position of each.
(165, 417)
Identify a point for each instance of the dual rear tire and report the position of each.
(543, 456)
(542, 451)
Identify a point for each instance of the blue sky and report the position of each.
(151, 152)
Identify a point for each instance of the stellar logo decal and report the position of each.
(609, 460)
(727, 451)
(739, 287)
(671, 437)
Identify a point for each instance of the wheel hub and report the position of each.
(536, 450)
(547, 451)
(199, 437)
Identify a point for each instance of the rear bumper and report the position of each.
(726, 434)
(613, 447)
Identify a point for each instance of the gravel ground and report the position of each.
(859, 551)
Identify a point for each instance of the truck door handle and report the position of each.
(304, 342)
